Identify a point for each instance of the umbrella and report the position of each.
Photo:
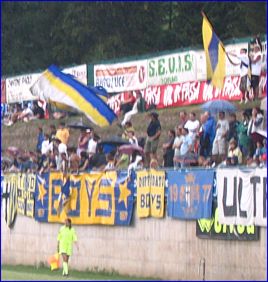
(216, 106)
(264, 104)
(14, 151)
(79, 125)
(114, 140)
(130, 148)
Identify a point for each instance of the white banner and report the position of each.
(18, 88)
(122, 76)
(80, 72)
(172, 68)
(242, 196)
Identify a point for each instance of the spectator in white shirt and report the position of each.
(219, 148)
(92, 144)
(46, 145)
(256, 62)
(192, 125)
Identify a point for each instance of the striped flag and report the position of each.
(215, 54)
(62, 89)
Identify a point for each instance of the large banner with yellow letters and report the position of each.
(150, 193)
(95, 198)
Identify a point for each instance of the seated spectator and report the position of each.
(260, 151)
(38, 112)
(84, 162)
(234, 151)
(26, 114)
(168, 149)
(132, 138)
(74, 161)
(128, 127)
(154, 164)
(98, 161)
(122, 162)
(136, 164)
(110, 161)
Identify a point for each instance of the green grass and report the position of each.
(31, 273)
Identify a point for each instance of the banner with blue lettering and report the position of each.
(41, 197)
(90, 198)
(190, 194)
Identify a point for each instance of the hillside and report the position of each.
(24, 135)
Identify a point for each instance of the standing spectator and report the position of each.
(256, 62)
(83, 139)
(254, 128)
(176, 146)
(243, 138)
(152, 140)
(182, 118)
(233, 127)
(40, 139)
(53, 132)
(128, 127)
(92, 144)
(46, 145)
(63, 133)
(219, 144)
(244, 78)
(84, 161)
(208, 131)
(186, 147)
(193, 125)
(168, 149)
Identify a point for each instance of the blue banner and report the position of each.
(190, 194)
(124, 198)
(41, 197)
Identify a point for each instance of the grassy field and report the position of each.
(30, 273)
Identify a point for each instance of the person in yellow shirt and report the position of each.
(63, 133)
(66, 238)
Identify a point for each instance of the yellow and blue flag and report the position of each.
(215, 54)
(60, 88)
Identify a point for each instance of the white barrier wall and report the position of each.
(163, 248)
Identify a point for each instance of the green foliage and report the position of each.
(37, 34)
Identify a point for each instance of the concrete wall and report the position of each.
(164, 248)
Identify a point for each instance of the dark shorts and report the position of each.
(243, 83)
(255, 81)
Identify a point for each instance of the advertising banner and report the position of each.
(172, 68)
(187, 93)
(18, 88)
(79, 72)
(212, 229)
(122, 76)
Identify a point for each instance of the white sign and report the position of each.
(79, 72)
(172, 68)
(122, 76)
(242, 196)
(18, 88)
